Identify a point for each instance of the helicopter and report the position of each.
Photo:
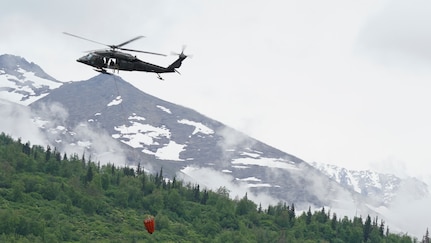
(113, 58)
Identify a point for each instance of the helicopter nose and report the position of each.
(81, 59)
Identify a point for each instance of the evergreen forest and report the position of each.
(49, 196)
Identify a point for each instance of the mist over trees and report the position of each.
(47, 196)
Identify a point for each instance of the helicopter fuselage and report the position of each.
(107, 59)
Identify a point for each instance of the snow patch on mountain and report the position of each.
(23, 82)
(115, 101)
(199, 127)
(25, 88)
(151, 139)
(138, 134)
(171, 151)
(253, 182)
(266, 162)
(252, 178)
(164, 109)
(252, 155)
(136, 117)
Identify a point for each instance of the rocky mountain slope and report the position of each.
(159, 134)
(380, 188)
(23, 82)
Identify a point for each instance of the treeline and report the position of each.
(46, 196)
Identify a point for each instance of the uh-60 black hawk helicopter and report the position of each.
(117, 60)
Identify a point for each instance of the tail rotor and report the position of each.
(181, 55)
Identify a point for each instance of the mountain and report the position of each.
(111, 121)
(159, 134)
(380, 188)
(23, 82)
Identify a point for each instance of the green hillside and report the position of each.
(47, 196)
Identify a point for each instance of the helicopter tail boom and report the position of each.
(177, 63)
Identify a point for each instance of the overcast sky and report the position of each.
(338, 82)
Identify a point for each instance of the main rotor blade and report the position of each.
(127, 42)
(79, 37)
(147, 52)
(100, 50)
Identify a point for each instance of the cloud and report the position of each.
(54, 113)
(81, 139)
(231, 138)
(16, 121)
(98, 143)
(21, 122)
(391, 166)
(213, 180)
(398, 31)
(410, 205)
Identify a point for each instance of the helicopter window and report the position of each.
(112, 62)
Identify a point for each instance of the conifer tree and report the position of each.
(26, 148)
(196, 193)
(205, 197)
(334, 221)
(292, 214)
(367, 228)
(83, 160)
(308, 219)
(89, 175)
(143, 181)
(426, 238)
(48, 153)
(174, 182)
(382, 228)
(138, 170)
